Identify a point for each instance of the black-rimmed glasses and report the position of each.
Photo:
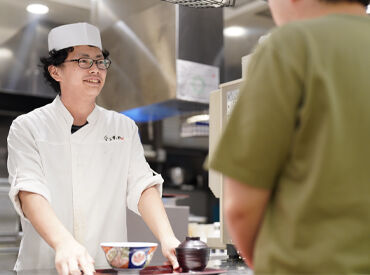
(86, 63)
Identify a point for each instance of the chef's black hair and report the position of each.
(57, 58)
(362, 2)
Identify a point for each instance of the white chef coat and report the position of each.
(89, 177)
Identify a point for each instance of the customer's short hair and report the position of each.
(57, 58)
(362, 2)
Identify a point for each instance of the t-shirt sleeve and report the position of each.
(256, 141)
(24, 165)
(140, 176)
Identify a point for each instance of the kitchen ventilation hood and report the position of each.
(22, 87)
(166, 58)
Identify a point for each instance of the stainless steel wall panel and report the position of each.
(143, 53)
(201, 38)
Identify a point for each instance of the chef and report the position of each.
(75, 167)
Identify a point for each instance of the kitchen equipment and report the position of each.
(192, 254)
(221, 104)
(204, 3)
(124, 255)
(177, 175)
(220, 107)
(171, 199)
(9, 229)
(9, 218)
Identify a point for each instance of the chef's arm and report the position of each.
(153, 213)
(244, 208)
(70, 255)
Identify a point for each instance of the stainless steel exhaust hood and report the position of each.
(23, 40)
(166, 58)
(22, 87)
(19, 72)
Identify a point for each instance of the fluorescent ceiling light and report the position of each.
(234, 31)
(197, 118)
(37, 9)
(5, 53)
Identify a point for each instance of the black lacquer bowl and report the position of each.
(192, 254)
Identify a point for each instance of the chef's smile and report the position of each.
(93, 82)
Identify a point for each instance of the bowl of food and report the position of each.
(124, 255)
(192, 254)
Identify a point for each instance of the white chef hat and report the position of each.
(74, 35)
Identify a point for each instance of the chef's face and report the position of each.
(79, 82)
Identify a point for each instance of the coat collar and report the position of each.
(68, 118)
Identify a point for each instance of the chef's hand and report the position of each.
(168, 250)
(71, 257)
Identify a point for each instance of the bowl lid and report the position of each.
(193, 242)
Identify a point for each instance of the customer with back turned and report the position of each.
(75, 167)
(296, 150)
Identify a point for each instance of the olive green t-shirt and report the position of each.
(301, 128)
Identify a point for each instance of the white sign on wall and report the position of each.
(195, 81)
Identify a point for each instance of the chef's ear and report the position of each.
(54, 72)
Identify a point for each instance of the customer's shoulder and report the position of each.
(325, 25)
(290, 32)
(299, 35)
(288, 42)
